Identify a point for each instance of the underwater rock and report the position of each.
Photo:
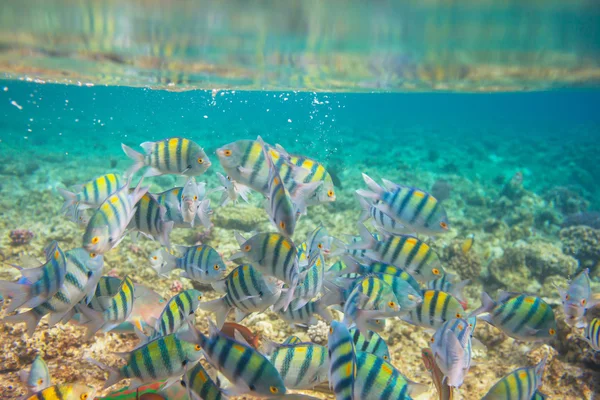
(467, 265)
(319, 332)
(240, 217)
(591, 219)
(583, 243)
(525, 266)
(566, 200)
(513, 189)
(20, 237)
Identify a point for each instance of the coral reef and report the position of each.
(566, 200)
(583, 243)
(20, 237)
(591, 219)
(466, 265)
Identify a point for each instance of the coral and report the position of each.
(176, 286)
(513, 189)
(319, 333)
(525, 266)
(441, 190)
(591, 219)
(566, 200)
(583, 243)
(467, 265)
(20, 237)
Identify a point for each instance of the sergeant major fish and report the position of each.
(92, 193)
(520, 384)
(149, 219)
(38, 377)
(199, 263)
(577, 299)
(65, 391)
(301, 365)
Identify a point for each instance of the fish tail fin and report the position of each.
(302, 193)
(366, 207)
(367, 240)
(204, 213)
(70, 199)
(373, 186)
(19, 294)
(219, 307)
(458, 288)
(322, 311)
(163, 239)
(136, 156)
(487, 304)
(289, 297)
(139, 191)
(30, 318)
(114, 375)
(95, 323)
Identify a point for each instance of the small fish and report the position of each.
(272, 254)
(43, 281)
(232, 190)
(370, 298)
(81, 216)
(342, 361)
(169, 156)
(375, 345)
(167, 357)
(305, 315)
(246, 290)
(149, 219)
(437, 308)
(520, 384)
(38, 377)
(376, 267)
(301, 365)
(116, 309)
(445, 284)
(200, 386)
(408, 298)
(247, 369)
(451, 346)
(192, 195)
(108, 223)
(245, 163)
(407, 252)
(199, 263)
(522, 317)
(592, 334)
(173, 202)
(413, 208)
(468, 243)
(319, 240)
(177, 311)
(577, 299)
(231, 328)
(91, 194)
(312, 283)
(445, 392)
(65, 392)
(378, 379)
(83, 272)
(381, 221)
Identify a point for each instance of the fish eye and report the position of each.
(435, 271)
(198, 347)
(282, 225)
(200, 161)
(40, 381)
(331, 329)
(330, 193)
(320, 246)
(432, 339)
(274, 390)
(444, 225)
(92, 255)
(583, 302)
(567, 297)
(216, 267)
(392, 304)
(199, 297)
(377, 321)
(227, 153)
(95, 240)
(155, 258)
(385, 358)
(195, 198)
(458, 315)
(247, 247)
(551, 331)
(84, 396)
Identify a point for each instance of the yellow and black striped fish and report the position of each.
(92, 193)
(437, 307)
(521, 384)
(169, 156)
(65, 392)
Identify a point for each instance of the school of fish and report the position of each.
(354, 284)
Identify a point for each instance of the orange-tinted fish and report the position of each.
(445, 392)
(229, 329)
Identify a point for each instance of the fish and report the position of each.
(445, 392)
(318, 240)
(381, 221)
(577, 299)
(272, 254)
(73, 391)
(300, 365)
(91, 194)
(116, 309)
(246, 290)
(173, 202)
(81, 216)
(342, 361)
(177, 310)
(83, 271)
(38, 377)
(592, 334)
(192, 195)
(413, 208)
(376, 267)
(245, 163)
(109, 222)
(199, 263)
(437, 308)
(407, 297)
(169, 156)
(451, 346)
(43, 282)
(407, 252)
(312, 283)
(305, 315)
(375, 345)
(231, 328)
(378, 379)
(292, 340)
(446, 284)
(145, 392)
(166, 357)
(520, 384)
(468, 243)
(247, 369)
(149, 219)
(520, 316)
(232, 190)
(370, 298)
(200, 386)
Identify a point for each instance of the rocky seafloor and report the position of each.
(524, 242)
